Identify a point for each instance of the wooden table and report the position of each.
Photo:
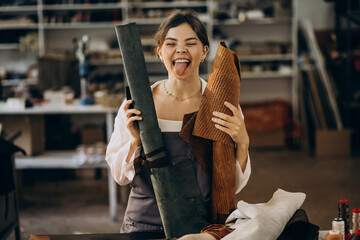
(120, 236)
(107, 236)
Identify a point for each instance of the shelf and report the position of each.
(28, 8)
(100, 6)
(147, 42)
(16, 82)
(157, 21)
(9, 46)
(54, 160)
(174, 4)
(264, 21)
(19, 26)
(80, 25)
(146, 21)
(118, 61)
(269, 57)
(264, 75)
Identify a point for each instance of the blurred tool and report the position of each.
(84, 69)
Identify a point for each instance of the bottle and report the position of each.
(356, 235)
(339, 225)
(344, 214)
(356, 219)
(333, 235)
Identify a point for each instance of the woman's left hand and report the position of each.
(232, 125)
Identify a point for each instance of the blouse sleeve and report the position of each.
(241, 178)
(118, 149)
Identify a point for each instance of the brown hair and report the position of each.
(176, 18)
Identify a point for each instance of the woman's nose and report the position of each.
(181, 50)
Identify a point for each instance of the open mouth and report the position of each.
(180, 65)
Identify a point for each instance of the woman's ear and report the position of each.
(205, 51)
(159, 53)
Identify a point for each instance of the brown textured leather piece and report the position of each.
(34, 237)
(216, 158)
(223, 85)
(201, 147)
(218, 231)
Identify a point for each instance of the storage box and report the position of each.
(332, 143)
(32, 138)
(267, 139)
(92, 134)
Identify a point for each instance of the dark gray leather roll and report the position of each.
(138, 80)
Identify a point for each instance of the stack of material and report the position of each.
(268, 123)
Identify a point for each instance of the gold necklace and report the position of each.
(177, 98)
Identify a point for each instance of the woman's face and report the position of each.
(182, 52)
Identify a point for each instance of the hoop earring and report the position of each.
(202, 60)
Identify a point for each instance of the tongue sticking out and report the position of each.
(180, 67)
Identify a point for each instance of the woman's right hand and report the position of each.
(132, 115)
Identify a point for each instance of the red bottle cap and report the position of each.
(347, 236)
(343, 201)
(356, 210)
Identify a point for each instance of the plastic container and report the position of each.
(339, 225)
(334, 235)
(356, 219)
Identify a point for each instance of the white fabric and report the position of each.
(119, 147)
(264, 221)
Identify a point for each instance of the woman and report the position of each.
(182, 44)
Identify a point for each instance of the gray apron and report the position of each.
(142, 214)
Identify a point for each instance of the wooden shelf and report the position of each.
(264, 75)
(80, 25)
(100, 6)
(174, 4)
(118, 61)
(157, 21)
(16, 82)
(269, 57)
(9, 46)
(264, 21)
(25, 8)
(19, 26)
(55, 160)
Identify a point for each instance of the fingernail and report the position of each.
(213, 119)
(214, 113)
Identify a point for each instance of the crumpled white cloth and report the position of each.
(264, 220)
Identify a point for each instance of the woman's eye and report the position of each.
(170, 44)
(191, 44)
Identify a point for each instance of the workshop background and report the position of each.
(62, 81)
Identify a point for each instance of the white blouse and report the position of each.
(119, 147)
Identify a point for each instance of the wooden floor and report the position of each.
(79, 204)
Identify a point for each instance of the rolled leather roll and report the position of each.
(176, 189)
